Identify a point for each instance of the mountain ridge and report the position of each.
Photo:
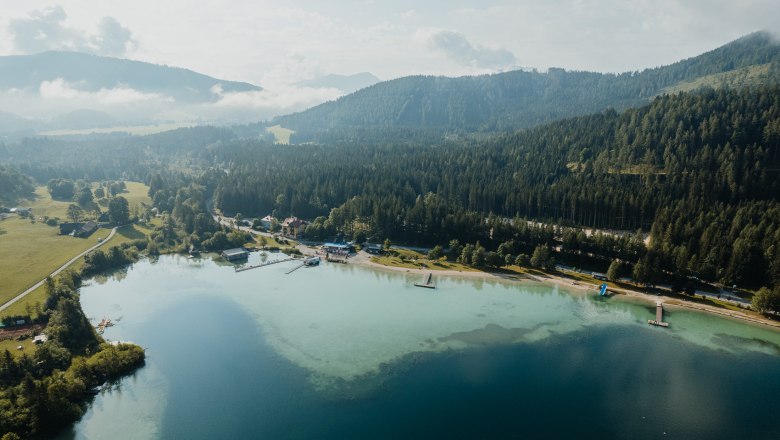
(520, 99)
(92, 73)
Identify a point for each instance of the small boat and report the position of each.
(311, 261)
(427, 282)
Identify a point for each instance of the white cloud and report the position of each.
(273, 43)
(60, 90)
(113, 39)
(44, 30)
(459, 49)
(280, 99)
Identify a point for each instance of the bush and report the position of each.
(542, 258)
(436, 253)
(765, 300)
(115, 360)
(523, 260)
(291, 251)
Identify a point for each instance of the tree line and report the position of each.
(522, 98)
(671, 168)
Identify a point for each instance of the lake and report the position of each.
(341, 351)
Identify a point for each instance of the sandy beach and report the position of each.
(364, 259)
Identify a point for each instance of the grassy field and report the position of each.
(409, 259)
(136, 194)
(281, 134)
(417, 260)
(44, 205)
(11, 345)
(736, 78)
(30, 251)
(269, 242)
(124, 234)
(139, 130)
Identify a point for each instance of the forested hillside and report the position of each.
(522, 99)
(699, 170)
(114, 156)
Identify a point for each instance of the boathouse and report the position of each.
(235, 254)
(338, 248)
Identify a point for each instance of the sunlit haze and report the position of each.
(277, 45)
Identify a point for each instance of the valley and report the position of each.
(470, 248)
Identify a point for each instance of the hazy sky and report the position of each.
(272, 42)
(276, 43)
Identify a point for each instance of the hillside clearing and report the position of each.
(281, 134)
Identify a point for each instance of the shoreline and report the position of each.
(745, 316)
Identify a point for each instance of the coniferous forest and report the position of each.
(665, 179)
(521, 99)
(699, 171)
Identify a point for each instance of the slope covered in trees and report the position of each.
(521, 99)
(111, 157)
(699, 170)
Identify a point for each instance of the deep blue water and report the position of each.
(609, 382)
(219, 345)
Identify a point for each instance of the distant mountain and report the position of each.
(345, 83)
(10, 123)
(521, 99)
(92, 73)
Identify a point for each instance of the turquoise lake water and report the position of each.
(340, 351)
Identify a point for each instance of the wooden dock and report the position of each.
(294, 269)
(659, 316)
(427, 282)
(267, 263)
(105, 322)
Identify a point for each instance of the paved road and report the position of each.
(56, 272)
(230, 223)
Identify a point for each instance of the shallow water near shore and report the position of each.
(340, 351)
